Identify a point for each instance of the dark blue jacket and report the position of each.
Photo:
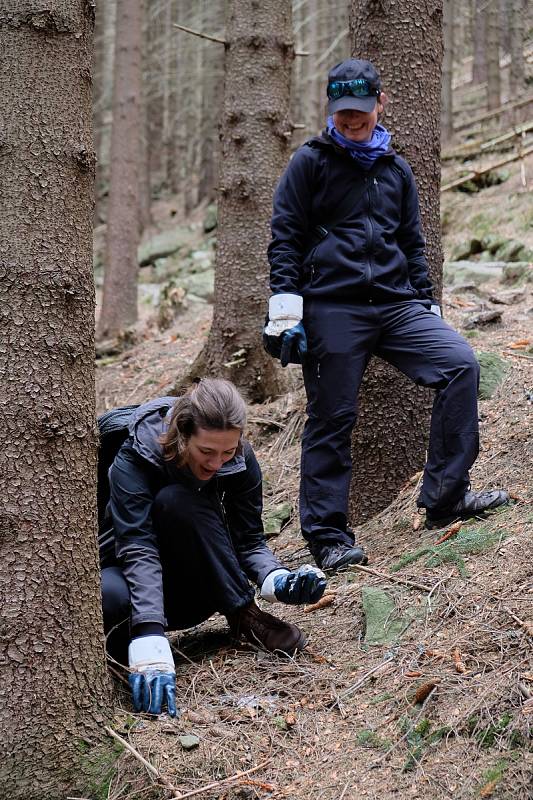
(138, 473)
(377, 252)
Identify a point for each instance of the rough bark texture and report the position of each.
(493, 56)
(447, 71)
(405, 43)
(53, 678)
(255, 133)
(119, 302)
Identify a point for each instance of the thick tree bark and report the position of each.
(405, 43)
(447, 71)
(119, 302)
(255, 133)
(53, 677)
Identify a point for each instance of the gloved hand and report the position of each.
(153, 677)
(284, 335)
(305, 585)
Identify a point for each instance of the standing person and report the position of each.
(349, 280)
(183, 538)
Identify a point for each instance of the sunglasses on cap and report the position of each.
(359, 87)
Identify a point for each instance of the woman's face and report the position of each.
(357, 126)
(207, 450)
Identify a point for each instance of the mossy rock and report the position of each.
(211, 218)
(162, 245)
(493, 370)
(518, 273)
(512, 250)
(493, 242)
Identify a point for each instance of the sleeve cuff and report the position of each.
(286, 306)
(150, 652)
(267, 587)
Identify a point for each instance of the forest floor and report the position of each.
(402, 691)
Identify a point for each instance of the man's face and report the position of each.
(357, 126)
(207, 450)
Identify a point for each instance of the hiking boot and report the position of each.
(333, 557)
(471, 505)
(265, 630)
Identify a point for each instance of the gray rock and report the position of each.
(508, 298)
(483, 319)
(189, 742)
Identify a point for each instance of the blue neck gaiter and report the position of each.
(365, 153)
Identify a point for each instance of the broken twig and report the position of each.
(150, 767)
(394, 578)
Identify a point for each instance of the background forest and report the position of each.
(418, 678)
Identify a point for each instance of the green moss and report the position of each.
(494, 774)
(97, 768)
(470, 334)
(381, 698)
(487, 736)
(493, 369)
(469, 541)
(369, 738)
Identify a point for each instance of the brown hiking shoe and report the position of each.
(265, 630)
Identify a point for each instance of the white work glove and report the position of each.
(304, 585)
(152, 674)
(284, 312)
(435, 309)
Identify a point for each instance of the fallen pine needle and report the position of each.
(324, 602)
(458, 662)
(453, 531)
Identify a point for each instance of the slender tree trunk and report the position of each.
(53, 677)
(493, 55)
(103, 94)
(517, 78)
(479, 30)
(447, 71)
(255, 133)
(390, 439)
(119, 303)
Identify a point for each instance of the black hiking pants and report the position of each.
(342, 337)
(201, 571)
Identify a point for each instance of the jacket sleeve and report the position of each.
(292, 222)
(133, 488)
(411, 240)
(243, 504)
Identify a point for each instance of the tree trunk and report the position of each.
(493, 55)
(390, 439)
(119, 302)
(54, 683)
(447, 72)
(517, 77)
(255, 133)
(479, 28)
(102, 98)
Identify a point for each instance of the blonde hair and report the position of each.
(212, 404)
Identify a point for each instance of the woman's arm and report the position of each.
(133, 487)
(243, 504)
(411, 239)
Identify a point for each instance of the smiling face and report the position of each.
(357, 126)
(208, 450)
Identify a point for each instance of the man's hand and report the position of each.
(304, 585)
(152, 675)
(284, 335)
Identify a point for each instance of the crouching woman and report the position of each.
(185, 538)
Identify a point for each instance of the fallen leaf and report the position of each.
(520, 344)
(417, 522)
(414, 674)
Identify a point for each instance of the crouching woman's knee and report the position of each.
(115, 597)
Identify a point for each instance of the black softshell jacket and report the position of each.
(376, 252)
(138, 473)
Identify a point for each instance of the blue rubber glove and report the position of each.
(306, 585)
(152, 689)
(152, 675)
(293, 343)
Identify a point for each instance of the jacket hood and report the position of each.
(150, 421)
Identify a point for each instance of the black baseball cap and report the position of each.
(360, 95)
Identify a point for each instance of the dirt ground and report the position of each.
(443, 711)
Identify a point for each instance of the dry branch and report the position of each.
(494, 113)
(150, 767)
(525, 625)
(217, 38)
(394, 578)
(475, 173)
(217, 784)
